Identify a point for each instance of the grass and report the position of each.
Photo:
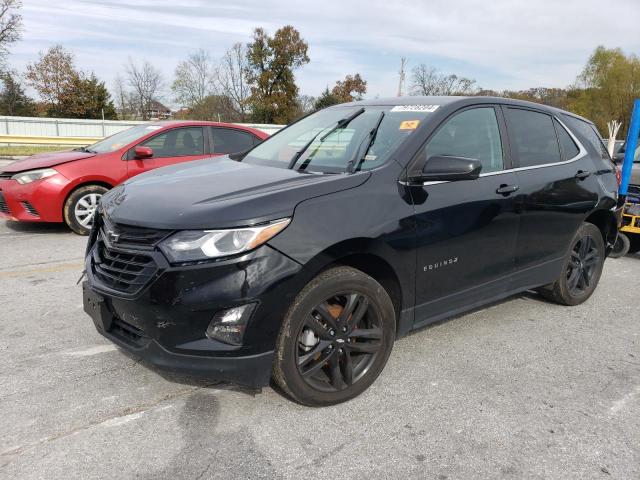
(20, 150)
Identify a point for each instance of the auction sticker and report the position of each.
(415, 108)
(409, 124)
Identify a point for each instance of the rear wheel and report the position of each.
(335, 339)
(80, 207)
(581, 270)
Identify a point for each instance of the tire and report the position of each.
(634, 243)
(585, 260)
(621, 247)
(316, 367)
(81, 200)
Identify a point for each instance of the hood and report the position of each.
(45, 160)
(217, 194)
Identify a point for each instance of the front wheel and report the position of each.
(581, 269)
(335, 339)
(81, 206)
(621, 247)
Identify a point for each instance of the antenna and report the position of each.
(403, 62)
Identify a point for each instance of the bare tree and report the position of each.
(10, 24)
(427, 80)
(194, 79)
(146, 83)
(231, 78)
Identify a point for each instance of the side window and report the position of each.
(587, 131)
(227, 140)
(179, 142)
(532, 136)
(568, 146)
(473, 133)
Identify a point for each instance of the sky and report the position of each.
(502, 44)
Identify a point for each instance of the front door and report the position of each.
(466, 230)
(171, 146)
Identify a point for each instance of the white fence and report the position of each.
(69, 127)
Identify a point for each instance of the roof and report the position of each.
(451, 100)
(167, 123)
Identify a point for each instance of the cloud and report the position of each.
(502, 43)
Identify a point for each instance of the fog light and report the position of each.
(228, 326)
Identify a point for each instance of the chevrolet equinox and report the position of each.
(304, 258)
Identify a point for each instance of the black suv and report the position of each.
(304, 259)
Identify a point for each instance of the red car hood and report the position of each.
(44, 160)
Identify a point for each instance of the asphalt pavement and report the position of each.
(523, 389)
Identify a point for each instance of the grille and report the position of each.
(4, 208)
(6, 175)
(30, 208)
(123, 271)
(131, 235)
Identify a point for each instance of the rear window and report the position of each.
(567, 145)
(532, 137)
(226, 140)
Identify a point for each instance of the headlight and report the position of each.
(33, 175)
(194, 245)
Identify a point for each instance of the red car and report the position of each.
(66, 186)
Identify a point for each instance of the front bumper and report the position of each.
(165, 321)
(39, 201)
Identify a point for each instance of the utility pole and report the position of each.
(403, 62)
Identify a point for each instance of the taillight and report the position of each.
(618, 175)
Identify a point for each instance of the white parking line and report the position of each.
(87, 352)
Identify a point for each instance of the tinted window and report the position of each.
(568, 146)
(226, 140)
(533, 138)
(588, 132)
(473, 134)
(178, 142)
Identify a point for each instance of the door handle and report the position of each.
(507, 189)
(581, 175)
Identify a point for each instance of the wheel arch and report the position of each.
(607, 223)
(371, 258)
(85, 183)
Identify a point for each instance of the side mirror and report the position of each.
(141, 153)
(618, 158)
(443, 168)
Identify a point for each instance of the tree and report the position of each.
(146, 83)
(605, 89)
(427, 80)
(271, 62)
(89, 99)
(194, 79)
(53, 77)
(350, 89)
(10, 24)
(326, 99)
(231, 75)
(13, 100)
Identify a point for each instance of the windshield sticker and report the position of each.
(409, 124)
(153, 127)
(370, 158)
(415, 108)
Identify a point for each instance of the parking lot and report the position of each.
(523, 389)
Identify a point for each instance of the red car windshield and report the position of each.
(122, 139)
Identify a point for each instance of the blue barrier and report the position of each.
(630, 147)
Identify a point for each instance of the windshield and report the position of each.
(122, 139)
(345, 139)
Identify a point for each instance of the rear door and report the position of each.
(466, 230)
(171, 146)
(557, 190)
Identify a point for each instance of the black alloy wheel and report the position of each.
(335, 339)
(346, 338)
(583, 265)
(581, 270)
